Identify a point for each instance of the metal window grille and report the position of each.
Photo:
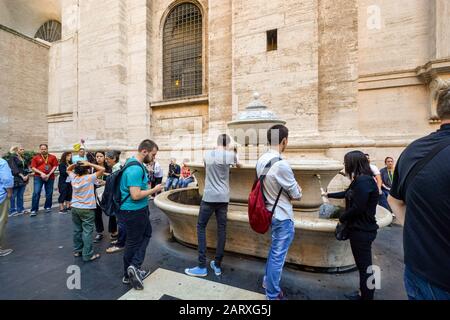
(182, 52)
(49, 31)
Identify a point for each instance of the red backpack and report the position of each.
(259, 217)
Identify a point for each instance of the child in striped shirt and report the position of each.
(83, 207)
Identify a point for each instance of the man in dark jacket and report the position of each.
(422, 206)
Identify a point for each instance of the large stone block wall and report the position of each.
(401, 40)
(99, 71)
(338, 68)
(287, 78)
(340, 80)
(23, 91)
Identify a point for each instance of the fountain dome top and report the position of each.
(256, 112)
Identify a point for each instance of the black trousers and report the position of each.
(206, 210)
(361, 244)
(99, 228)
(139, 232)
(65, 192)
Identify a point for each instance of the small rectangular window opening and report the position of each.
(272, 40)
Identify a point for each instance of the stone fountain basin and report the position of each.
(314, 247)
(241, 180)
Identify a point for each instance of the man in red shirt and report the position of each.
(43, 166)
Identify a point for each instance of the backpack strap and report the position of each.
(133, 163)
(418, 166)
(264, 174)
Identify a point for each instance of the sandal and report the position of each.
(114, 249)
(94, 257)
(77, 254)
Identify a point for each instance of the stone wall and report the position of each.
(23, 91)
(287, 78)
(341, 78)
(99, 70)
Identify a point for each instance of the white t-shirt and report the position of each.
(375, 170)
(157, 170)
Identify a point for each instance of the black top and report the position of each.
(173, 170)
(361, 199)
(426, 233)
(62, 167)
(18, 167)
(386, 178)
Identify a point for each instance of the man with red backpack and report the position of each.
(279, 189)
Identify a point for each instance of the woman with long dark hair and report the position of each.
(113, 160)
(361, 199)
(112, 225)
(64, 186)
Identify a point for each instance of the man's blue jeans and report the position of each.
(207, 209)
(17, 199)
(38, 183)
(171, 182)
(418, 288)
(282, 235)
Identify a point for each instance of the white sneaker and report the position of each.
(5, 252)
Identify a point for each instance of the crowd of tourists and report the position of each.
(416, 190)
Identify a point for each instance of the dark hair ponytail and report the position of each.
(356, 164)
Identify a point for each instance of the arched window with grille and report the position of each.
(182, 52)
(49, 31)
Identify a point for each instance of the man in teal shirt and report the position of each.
(134, 213)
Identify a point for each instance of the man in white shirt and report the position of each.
(279, 178)
(376, 173)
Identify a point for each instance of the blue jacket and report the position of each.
(6, 179)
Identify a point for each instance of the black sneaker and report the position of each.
(98, 238)
(126, 280)
(353, 296)
(33, 214)
(135, 278)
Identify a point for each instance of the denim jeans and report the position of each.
(206, 210)
(38, 183)
(282, 235)
(171, 182)
(183, 183)
(139, 232)
(418, 288)
(83, 227)
(17, 199)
